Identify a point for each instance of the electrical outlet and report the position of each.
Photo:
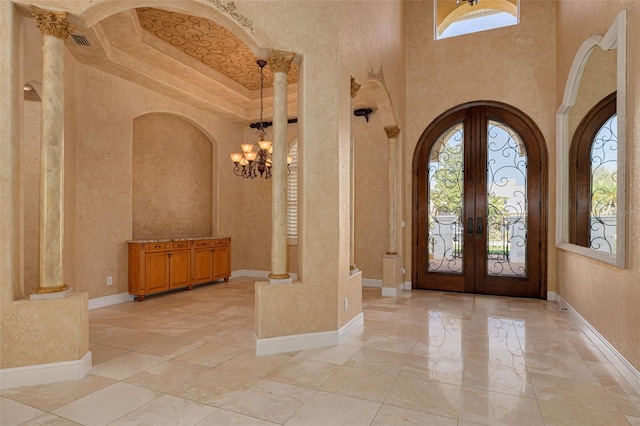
(109, 280)
(346, 303)
(404, 271)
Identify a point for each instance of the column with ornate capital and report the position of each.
(355, 87)
(392, 263)
(280, 63)
(55, 29)
(392, 243)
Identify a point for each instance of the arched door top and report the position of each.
(480, 191)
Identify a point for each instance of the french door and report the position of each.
(480, 200)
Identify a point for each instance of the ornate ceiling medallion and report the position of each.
(209, 43)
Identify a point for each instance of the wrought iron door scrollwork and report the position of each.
(445, 180)
(507, 202)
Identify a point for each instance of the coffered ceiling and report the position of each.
(188, 58)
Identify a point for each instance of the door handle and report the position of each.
(479, 226)
(470, 227)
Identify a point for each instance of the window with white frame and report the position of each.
(292, 197)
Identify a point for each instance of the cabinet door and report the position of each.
(220, 260)
(157, 272)
(180, 268)
(202, 265)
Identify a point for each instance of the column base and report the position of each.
(280, 280)
(391, 273)
(60, 294)
(56, 289)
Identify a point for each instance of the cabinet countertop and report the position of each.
(169, 239)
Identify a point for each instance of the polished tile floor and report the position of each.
(425, 358)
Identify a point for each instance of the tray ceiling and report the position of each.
(209, 43)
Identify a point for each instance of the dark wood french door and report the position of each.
(480, 203)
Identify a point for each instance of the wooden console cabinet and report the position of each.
(166, 264)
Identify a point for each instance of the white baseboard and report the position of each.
(258, 274)
(298, 342)
(392, 291)
(371, 282)
(114, 299)
(351, 326)
(406, 285)
(42, 374)
(551, 295)
(624, 367)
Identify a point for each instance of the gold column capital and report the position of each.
(52, 23)
(392, 132)
(355, 86)
(280, 61)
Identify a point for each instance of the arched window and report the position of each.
(454, 18)
(593, 174)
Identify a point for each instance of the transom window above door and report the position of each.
(458, 17)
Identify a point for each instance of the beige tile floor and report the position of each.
(425, 358)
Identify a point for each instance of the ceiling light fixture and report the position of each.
(471, 2)
(250, 162)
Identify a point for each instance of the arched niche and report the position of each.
(374, 95)
(371, 178)
(614, 40)
(173, 178)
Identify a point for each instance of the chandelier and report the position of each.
(256, 159)
(471, 2)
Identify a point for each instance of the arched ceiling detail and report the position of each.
(209, 43)
(109, 36)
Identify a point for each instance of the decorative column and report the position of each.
(392, 243)
(392, 262)
(280, 63)
(55, 29)
(355, 87)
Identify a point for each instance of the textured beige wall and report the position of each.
(10, 133)
(104, 174)
(30, 170)
(371, 194)
(310, 306)
(172, 178)
(598, 81)
(45, 331)
(514, 65)
(606, 296)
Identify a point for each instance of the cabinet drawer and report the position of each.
(180, 245)
(221, 242)
(203, 243)
(162, 246)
